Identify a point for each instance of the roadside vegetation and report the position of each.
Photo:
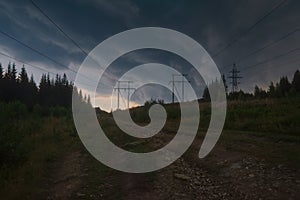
(37, 132)
(30, 143)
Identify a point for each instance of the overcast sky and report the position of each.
(212, 23)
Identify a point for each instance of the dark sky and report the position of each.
(212, 23)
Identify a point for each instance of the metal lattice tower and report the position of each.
(234, 76)
(128, 89)
(182, 82)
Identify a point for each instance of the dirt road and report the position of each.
(227, 173)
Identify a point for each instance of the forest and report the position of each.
(50, 92)
(282, 89)
(57, 91)
(39, 145)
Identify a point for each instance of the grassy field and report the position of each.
(267, 123)
(30, 143)
(34, 142)
(265, 115)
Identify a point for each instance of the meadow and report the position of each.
(34, 141)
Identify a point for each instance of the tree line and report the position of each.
(58, 91)
(283, 88)
(50, 92)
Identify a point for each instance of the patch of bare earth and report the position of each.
(224, 174)
(66, 177)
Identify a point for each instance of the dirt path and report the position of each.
(224, 174)
(66, 177)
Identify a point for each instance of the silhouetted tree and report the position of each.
(296, 82)
(1, 71)
(27, 90)
(14, 72)
(225, 84)
(33, 90)
(8, 73)
(9, 84)
(284, 87)
(215, 88)
(206, 95)
(23, 77)
(51, 92)
(1, 82)
(89, 100)
(259, 93)
(240, 95)
(272, 90)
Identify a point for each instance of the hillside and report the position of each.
(256, 157)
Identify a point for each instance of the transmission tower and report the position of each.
(234, 76)
(182, 82)
(128, 89)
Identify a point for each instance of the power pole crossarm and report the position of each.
(128, 89)
(182, 81)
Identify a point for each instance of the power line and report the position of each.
(249, 29)
(34, 66)
(182, 81)
(33, 49)
(23, 62)
(290, 61)
(77, 45)
(128, 89)
(268, 45)
(46, 56)
(275, 57)
(58, 27)
(63, 32)
(40, 68)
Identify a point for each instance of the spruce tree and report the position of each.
(23, 77)
(1, 71)
(296, 82)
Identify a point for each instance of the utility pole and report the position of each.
(173, 86)
(128, 93)
(234, 78)
(182, 81)
(128, 89)
(118, 90)
(182, 87)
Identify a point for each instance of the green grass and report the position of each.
(266, 115)
(269, 126)
(32, 141)
(275, 148)
(280, 116)
(30, 144)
